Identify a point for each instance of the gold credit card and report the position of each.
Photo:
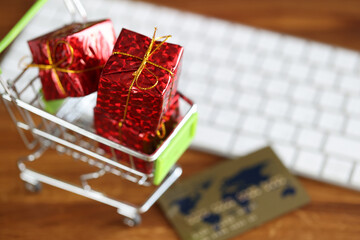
(232, 197)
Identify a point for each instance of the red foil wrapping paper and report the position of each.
(71, 58)
(140, 105)
(144, 142)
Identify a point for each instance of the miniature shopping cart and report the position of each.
(69, 130)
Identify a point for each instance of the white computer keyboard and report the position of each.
(253, 87)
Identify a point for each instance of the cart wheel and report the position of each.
(132, 222)
(33, 187)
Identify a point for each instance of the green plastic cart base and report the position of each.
(175, 149)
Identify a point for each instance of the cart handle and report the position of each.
(20, 25)
(74, 6)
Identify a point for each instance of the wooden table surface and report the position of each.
(334, 212)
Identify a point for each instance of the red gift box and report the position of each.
(144, 142)
(139, 80)
(71, 58)
(109, 128)
(148, 141)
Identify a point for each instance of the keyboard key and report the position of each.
(355, 179)
(267, 41)
(245, 59)
(247, 144)
(241, 36)
(282, 131)
(298, 71)
(332, 122)
(165, 19)
(272, 65)
(222, 96)
(276, 108)
(184, 82)
(227, 118)
(194, 48)
(191, 24)
(304, 115)
(331, 100)
(225, 74)
(350, 84)
(309, 163)
(304, 94)
(337, 170)
(220, 53)
(319, 53)
(310, 138)
(352, 106)
(346, 60)
(255, 124)
(216, 28)
(342, 146)
(196, 90)
(248, 102)
(324, 77)
(277, 87)
(286, 153)
(251, 81)
(198, 68)
(293, 47)
(208, 137)
(353, 127)
(205, 113)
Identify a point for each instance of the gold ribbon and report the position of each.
(136, 74)
(161, 132)
(54, 66)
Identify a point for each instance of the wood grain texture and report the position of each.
(334, 212)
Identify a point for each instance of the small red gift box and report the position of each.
(144, 142)
(71, 58)
(139, 80)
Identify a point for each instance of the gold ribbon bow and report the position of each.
(54, 66)
(136, 74)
